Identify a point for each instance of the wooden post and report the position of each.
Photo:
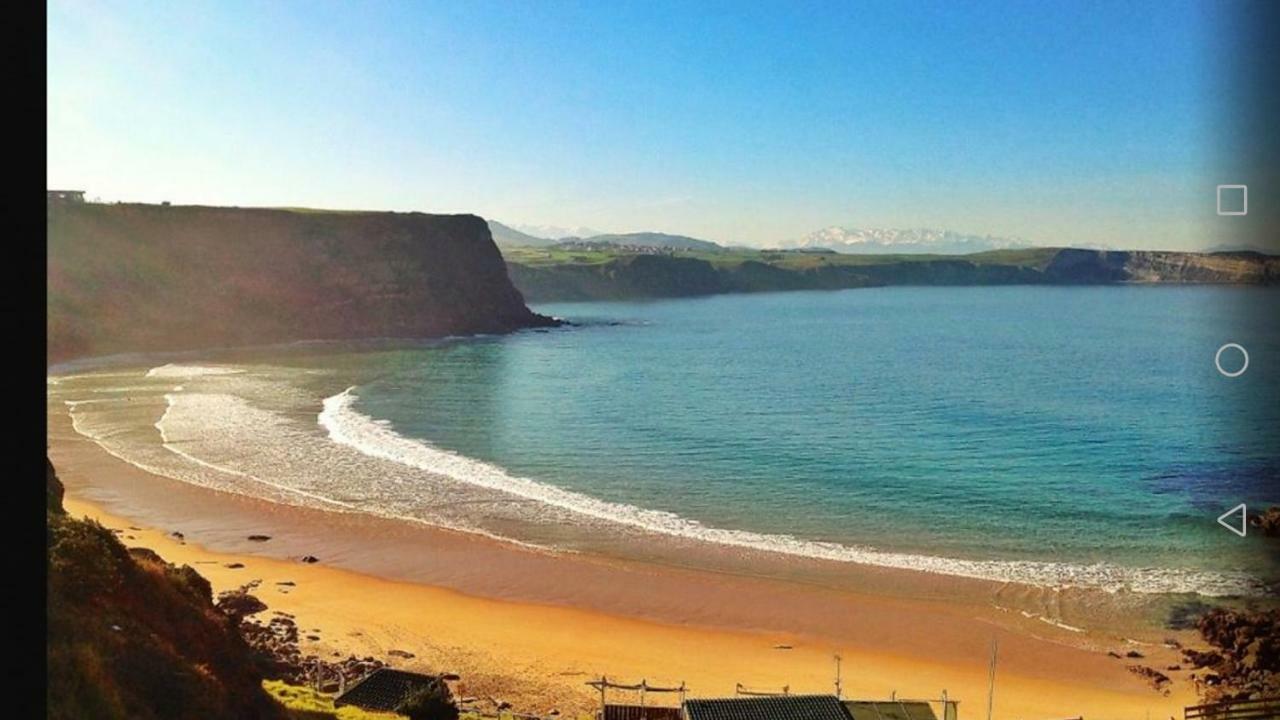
(991, 678)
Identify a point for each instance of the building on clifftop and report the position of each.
(54, 197)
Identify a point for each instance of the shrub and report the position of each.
(432, 702)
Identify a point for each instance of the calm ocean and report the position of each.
(1050, 435)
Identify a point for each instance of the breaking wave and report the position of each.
(376, 438)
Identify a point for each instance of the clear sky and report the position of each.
(1058, 122)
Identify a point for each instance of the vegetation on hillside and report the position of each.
(431, 702)
(789, 259)
(133, 637)
(578, 271)
(303, 703)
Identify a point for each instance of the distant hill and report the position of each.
(555, 232)
(653, 239)
(507, 236)
(1243, 248)
(887, 241)
(565, 273)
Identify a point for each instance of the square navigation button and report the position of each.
(1233, 200)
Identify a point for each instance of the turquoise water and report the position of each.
(1049, 423)
(1050, 435)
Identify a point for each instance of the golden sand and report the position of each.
(709, 631)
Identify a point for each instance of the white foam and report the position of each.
(173, 370)
(349, 427)
(177, 450)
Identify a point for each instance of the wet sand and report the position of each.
(530, 626)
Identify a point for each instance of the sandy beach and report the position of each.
(530, 627)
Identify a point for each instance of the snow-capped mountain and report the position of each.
(554, 232)
(916, 240)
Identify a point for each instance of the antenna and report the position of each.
(838, 659)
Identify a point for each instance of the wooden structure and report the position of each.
(640, 710)
(64, 196)
(1260, 709)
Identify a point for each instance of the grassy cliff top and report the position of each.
(1037, 258)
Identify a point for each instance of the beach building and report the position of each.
(643, 708)
(384, 689)
(774, 707)
(614, 711)
(64, 196)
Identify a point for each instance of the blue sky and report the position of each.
(1060, 122)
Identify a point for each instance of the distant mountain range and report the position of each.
(848, 241)
(881, 241)
(555, 232)
(910, 241)
(507, 236)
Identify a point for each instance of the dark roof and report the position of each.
(890, 710)
(383, 689)
(638, 712)
(777, 707)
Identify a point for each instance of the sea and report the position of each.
(1052, 436)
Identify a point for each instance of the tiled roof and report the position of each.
(383, 689)
(637, 712)
(777, 707)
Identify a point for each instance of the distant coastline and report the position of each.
(609, 271)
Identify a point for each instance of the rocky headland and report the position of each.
(129, 278)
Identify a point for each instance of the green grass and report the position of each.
(543, 257)
(306, 704)
(790, 260)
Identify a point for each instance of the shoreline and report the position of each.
(531, 626)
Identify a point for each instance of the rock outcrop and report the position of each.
(1267, 522)
(135, 278)
(1245, 660)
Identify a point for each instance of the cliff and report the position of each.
(562, 274)
(1141, 266)
(134, 278)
